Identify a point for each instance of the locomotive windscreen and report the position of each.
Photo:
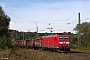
(63, 38)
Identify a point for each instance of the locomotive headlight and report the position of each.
(67, 42)
(60, 42)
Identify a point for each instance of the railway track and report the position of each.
(76, 53)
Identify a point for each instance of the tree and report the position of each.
(85, 33)
(4, 22)
(4, 27)
(74, 40)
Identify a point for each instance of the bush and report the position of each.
(5, 42)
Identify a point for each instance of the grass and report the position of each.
(30, 54)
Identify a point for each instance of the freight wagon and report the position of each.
(21, 43)
(30, 43)
(59, 42)
(33, 43)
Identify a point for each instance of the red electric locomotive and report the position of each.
(59, 42)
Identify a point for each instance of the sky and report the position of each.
(61, 15)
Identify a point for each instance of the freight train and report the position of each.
(60, 42)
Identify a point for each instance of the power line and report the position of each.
(53, 23)
(19, 17)
(67, 23)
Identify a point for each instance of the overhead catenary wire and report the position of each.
(72, 23)
(19, 17)
(46, 22)
(62, 24)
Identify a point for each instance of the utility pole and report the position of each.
(79, 32)
(16, 34)
(23, 35)
(36, 29)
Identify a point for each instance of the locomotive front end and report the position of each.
(64, 43)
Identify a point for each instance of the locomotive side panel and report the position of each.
(49, 42)
(44, 42)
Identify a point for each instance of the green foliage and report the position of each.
(4, 26)
(74, 41)
(5, 42)
(14, 34)
(85, 34)
(4, 22)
